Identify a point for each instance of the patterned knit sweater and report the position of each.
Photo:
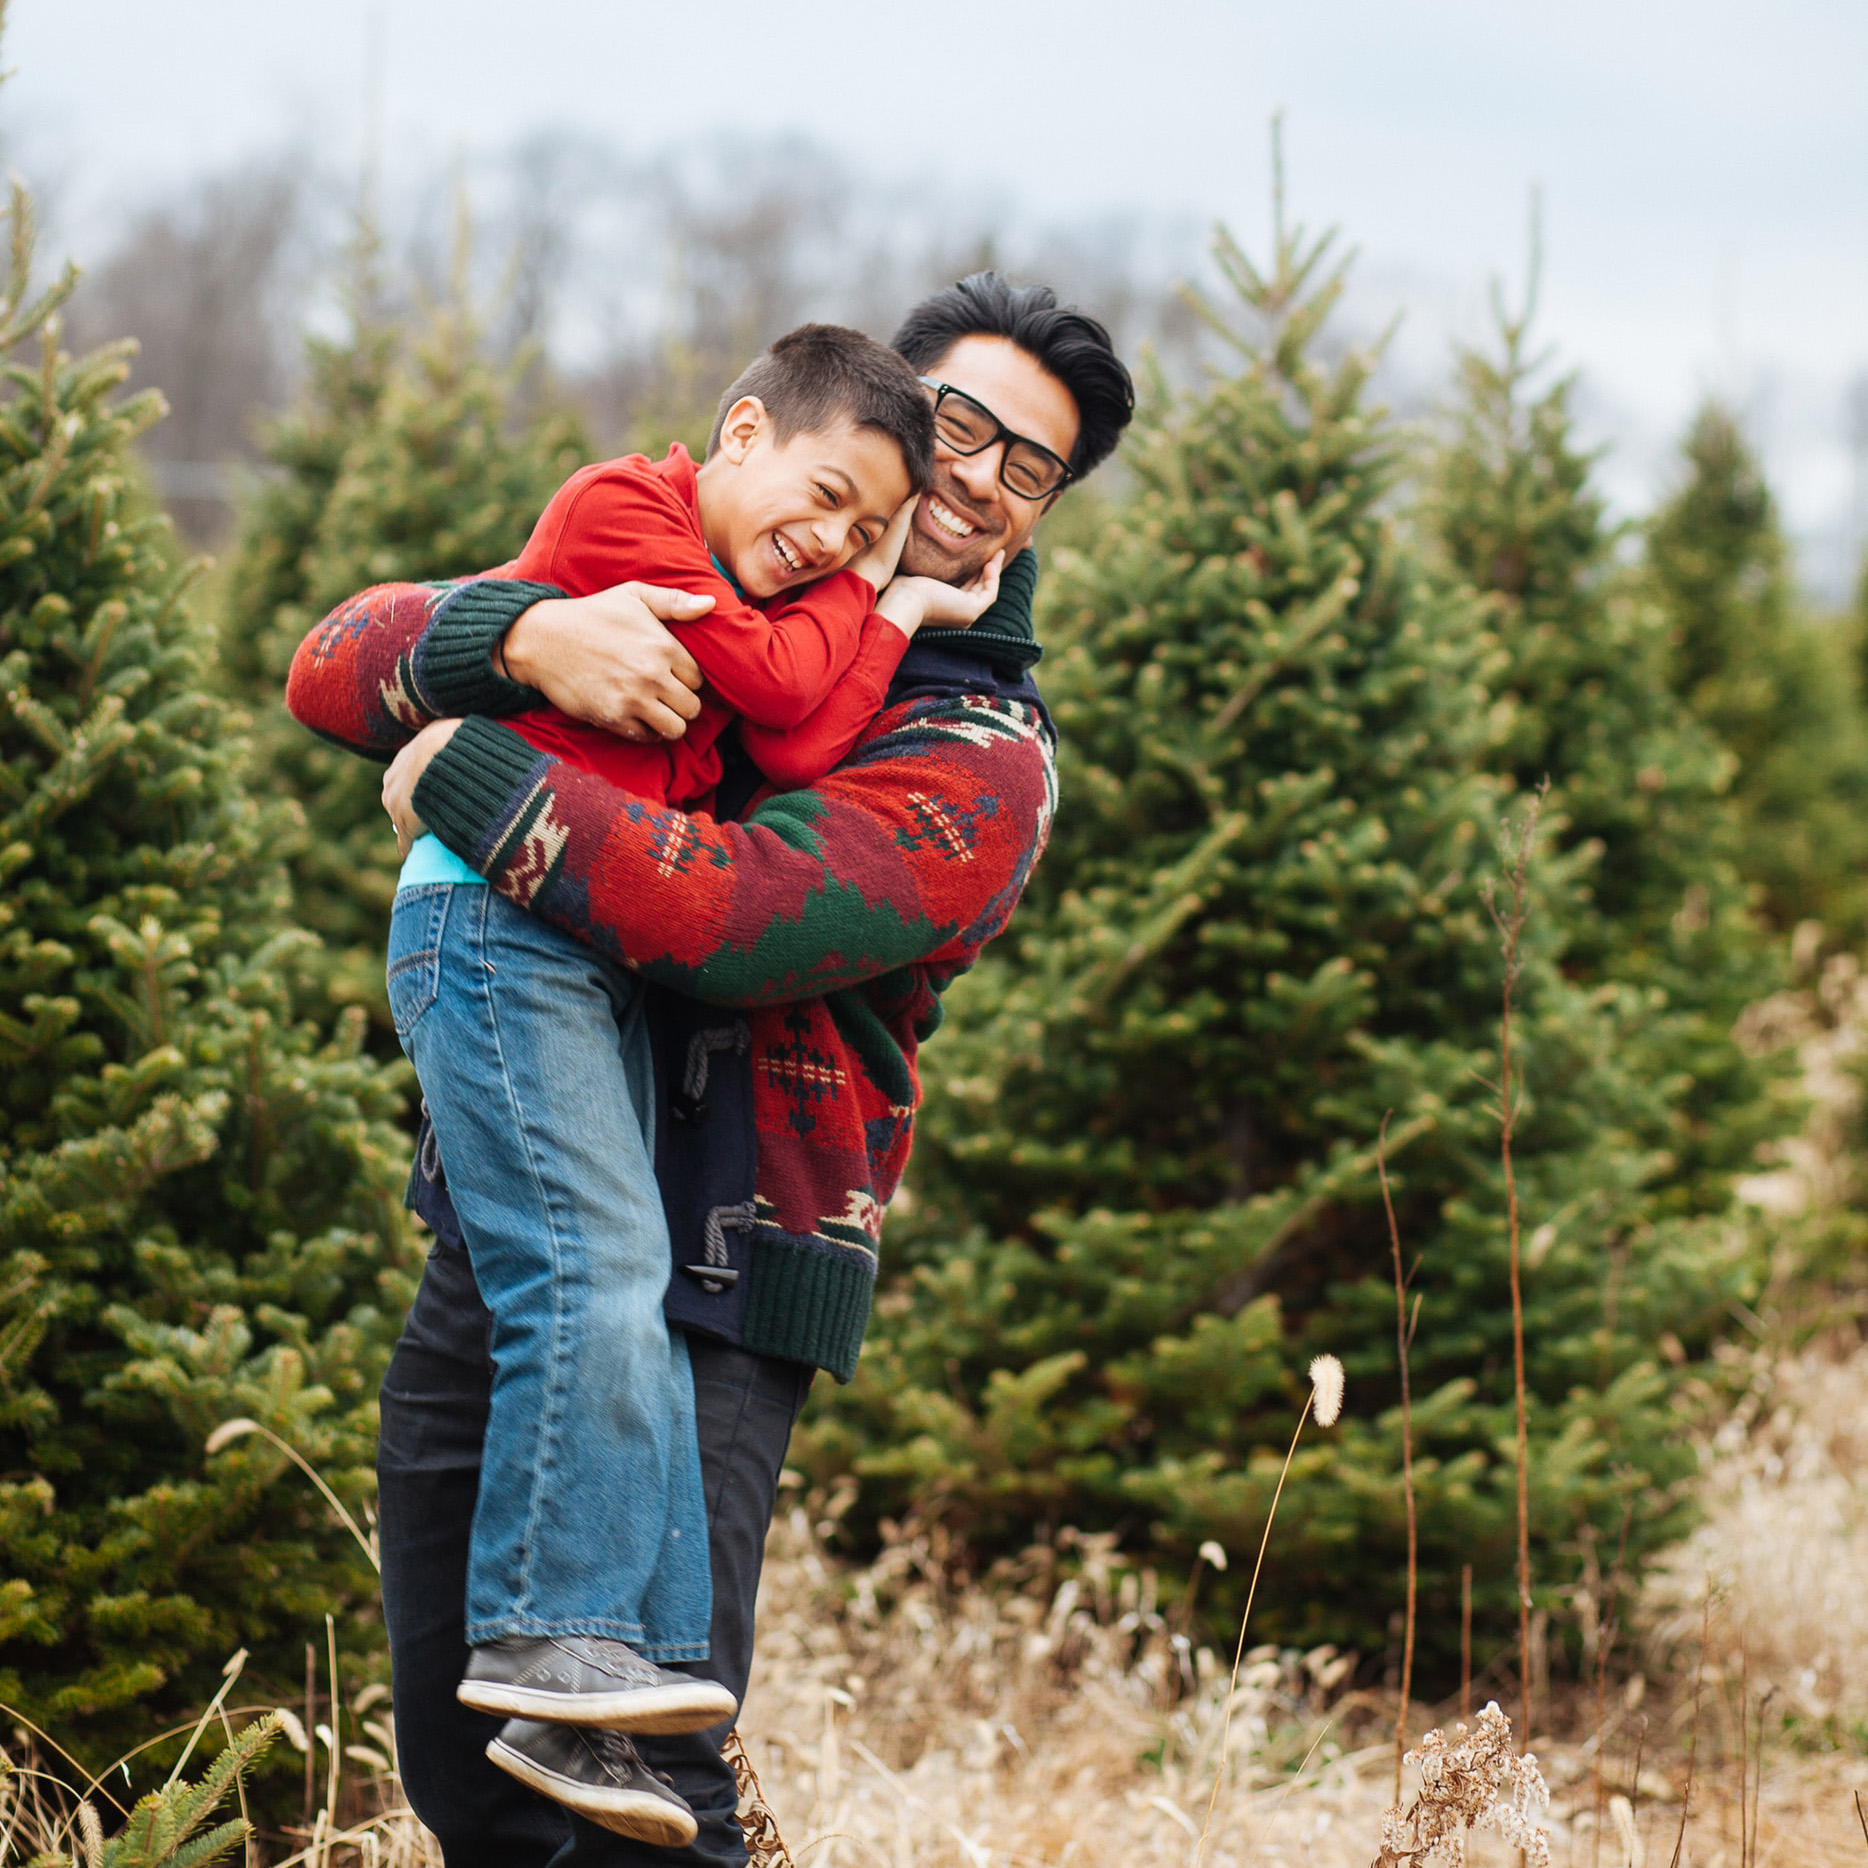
(838, 915)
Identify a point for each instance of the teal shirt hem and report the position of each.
(430, 860)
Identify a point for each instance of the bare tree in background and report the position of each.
(211, 284)
(642, 286)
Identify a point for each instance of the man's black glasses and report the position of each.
(969, 427)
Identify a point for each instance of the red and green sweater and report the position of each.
(836, 915)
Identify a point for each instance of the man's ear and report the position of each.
(745, 421)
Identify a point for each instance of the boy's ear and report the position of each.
(745, 421)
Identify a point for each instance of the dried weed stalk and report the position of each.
(1475, 1780)
(1510, 924)
(1404, 1336)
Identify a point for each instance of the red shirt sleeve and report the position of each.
(801, 756)
(773, 667)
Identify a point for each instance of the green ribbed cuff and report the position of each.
(471, 786)
(1004, 634)
(454, 669)
(806, 1305)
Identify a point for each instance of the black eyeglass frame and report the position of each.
(1000, 433)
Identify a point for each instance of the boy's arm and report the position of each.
(774, 666)
(816, 745)
(915, 850)
(991, 604)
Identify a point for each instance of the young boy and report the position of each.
(589, 1561)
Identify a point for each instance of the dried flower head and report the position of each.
(1473, 1779)
(1326, 1389)
(229, 1431)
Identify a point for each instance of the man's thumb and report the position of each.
(674, 606)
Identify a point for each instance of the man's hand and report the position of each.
(608, 659)
(878, 563)
(912, 603)
(404, 774)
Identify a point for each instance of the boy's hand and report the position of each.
(912, 603)
(405, 773)
(878, 562)
(607, 658)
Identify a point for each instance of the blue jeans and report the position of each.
(435, 1399)
(535, 1062)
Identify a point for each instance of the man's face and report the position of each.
(779, 514)
(970, 512)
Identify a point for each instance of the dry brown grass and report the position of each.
(1056, 1720)
(894, 1723)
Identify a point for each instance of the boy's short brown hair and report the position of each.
(818, 372)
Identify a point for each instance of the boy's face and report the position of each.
(787, 514)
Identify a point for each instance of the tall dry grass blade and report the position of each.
(1510, 927)
(1861, 1815)
(231, 1673)
(337, 1735)
(1692, 1738)
(231, 1430)
(1757, 1789)
(311, 1726)
(1744, 1751)
(1326, 1396)
(1634, 1780)
(1284, 1796)
(1465, 1643)
(1605, 1640)
(1402, 1335)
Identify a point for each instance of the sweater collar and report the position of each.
(1004, 636)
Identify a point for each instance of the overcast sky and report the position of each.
(1703, 163)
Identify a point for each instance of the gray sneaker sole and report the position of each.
(633, 1813)
(656, 1712)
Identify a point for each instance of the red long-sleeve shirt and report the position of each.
(804, 675)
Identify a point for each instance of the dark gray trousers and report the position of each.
(434, 1410)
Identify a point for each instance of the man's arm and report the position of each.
(393, 658)
(914, 850)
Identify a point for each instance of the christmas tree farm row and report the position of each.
(1301, 668)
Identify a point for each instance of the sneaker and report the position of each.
(599, 1775)
(582, 1680)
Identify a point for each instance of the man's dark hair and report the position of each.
(1070, 344)
(819, 372)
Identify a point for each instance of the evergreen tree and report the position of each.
(198, 1195)
(1778, 690)
(1147, 1191)
(1638, 782)
(413, 454)
(1640, 787)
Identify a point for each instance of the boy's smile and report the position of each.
(782, 514)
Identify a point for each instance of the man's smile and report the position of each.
(948, 520)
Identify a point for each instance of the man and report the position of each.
(835, 916)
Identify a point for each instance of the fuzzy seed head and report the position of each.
(229, 1431)
(1326, 1390)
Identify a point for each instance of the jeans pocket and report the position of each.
(414, 976)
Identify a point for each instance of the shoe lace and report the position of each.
(615, 1751)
